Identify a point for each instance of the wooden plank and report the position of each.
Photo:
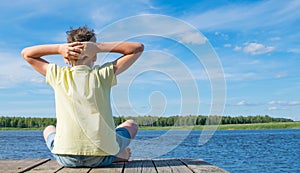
(134, 166)
(148, 167)
(40, 162)
(113, 168)
(200, 166)
(177, 166)
(74, 170)
(13, 166)
(162, 166)
(50, 166)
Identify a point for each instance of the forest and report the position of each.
(152, 121)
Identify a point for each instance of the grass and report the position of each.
(255, 126)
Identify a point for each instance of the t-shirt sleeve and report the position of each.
(107, 74)
(51, 74)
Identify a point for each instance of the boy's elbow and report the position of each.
(24, 53)
(140, 47)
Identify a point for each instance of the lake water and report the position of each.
(235, 151)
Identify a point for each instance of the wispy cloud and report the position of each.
(294, 50)
(247, 16)
(285, 103)
(15, 70)
(154, 25)
(275, 38)
(274, 108)
(227, 45)
(274, 104)
(192, 37)
(245, 103)
(237, 48)
(281, 75)
(105, 13)
(256, 48)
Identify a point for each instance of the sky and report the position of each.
(225, 57)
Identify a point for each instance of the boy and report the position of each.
(85, 134)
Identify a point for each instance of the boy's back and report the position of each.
(85, 123)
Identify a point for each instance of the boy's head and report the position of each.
(82, 34)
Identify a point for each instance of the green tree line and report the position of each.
(154, 121)
(26, 122)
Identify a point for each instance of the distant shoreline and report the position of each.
(254, 126)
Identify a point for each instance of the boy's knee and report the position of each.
(132, 123)
(48, 130)
(131, 126)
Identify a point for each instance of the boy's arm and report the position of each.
(130, 50)
(33, 54)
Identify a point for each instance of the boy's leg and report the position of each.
(48, 130)
(131, 126)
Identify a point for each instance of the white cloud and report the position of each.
(242, 103)
(192, 37)
(284, 103)
(275, 38)
(227, 45)
(276, 102)
(254, 62)
(294, 50)
(256, 48)
(242, 76)
(154, 25)
(281, 75)
(15, 70)
(245, 103)
(237, 48)
(280, 103)
(106, 12)
(270, 106)
(274, 108)
(294, 103)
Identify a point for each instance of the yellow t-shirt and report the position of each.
(85, 123)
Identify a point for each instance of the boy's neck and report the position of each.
(78, 62)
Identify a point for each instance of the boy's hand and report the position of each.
(90, 49)
(71, 51)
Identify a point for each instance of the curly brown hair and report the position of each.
(81, 34)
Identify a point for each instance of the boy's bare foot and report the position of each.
(124, 155)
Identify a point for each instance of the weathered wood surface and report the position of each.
(133, 166)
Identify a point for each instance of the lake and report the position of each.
(235, 151)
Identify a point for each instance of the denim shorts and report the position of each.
(123, 139)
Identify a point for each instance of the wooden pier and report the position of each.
(133, 166)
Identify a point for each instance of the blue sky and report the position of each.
(256, 43)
